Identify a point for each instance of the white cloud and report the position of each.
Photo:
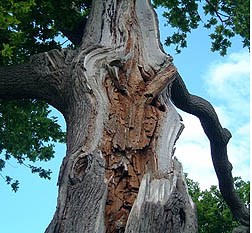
(227, 83)
(224, 115)
(243, 130)
(192, 131)
(193, 150)
(228, 80)
(234, 67)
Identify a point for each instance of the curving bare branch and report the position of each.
(218, 138)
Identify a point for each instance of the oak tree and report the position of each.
(114, 86)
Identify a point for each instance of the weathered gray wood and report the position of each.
(241, 229)
(121, 126)
(163, 204)
(83, 207)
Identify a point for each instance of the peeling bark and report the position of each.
(120, 173)
(130, 140)
(163, 204)
(116, 109)
(121, 127)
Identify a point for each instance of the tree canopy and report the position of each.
(30, 27)
(27, 134)
(226, 18)
(33, 26)
(213, 212)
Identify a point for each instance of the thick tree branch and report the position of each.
(41, 78)
(219, 138)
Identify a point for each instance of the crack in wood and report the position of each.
(129, 138)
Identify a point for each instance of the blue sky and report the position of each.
(222, 81)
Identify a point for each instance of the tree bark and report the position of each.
(119, 122)
(44, 77)
(119, 173)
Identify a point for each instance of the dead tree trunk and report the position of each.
(119, 174)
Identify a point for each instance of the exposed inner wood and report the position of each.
(121, 70)
(129, 137)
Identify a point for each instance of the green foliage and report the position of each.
(213, 213)
(226, 18)
(31, 26)
(26, 134)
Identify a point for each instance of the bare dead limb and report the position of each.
(218, 138)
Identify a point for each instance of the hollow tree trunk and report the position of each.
(119, 174)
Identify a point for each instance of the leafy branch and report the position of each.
(225, 18)
(219, 14)
(26, 134)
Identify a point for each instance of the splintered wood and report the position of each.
(130, 135)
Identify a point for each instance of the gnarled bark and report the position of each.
(119, 174)
(116, 109)
(44, 77)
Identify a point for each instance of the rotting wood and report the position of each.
(119, 125)
(129, 136)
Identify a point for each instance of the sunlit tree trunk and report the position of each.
(114, 90)
(119, 174)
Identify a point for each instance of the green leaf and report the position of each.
(2, 164)
(227, 18)
(15, 186)
(27, 134)
(213, 213)
(7, 50)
